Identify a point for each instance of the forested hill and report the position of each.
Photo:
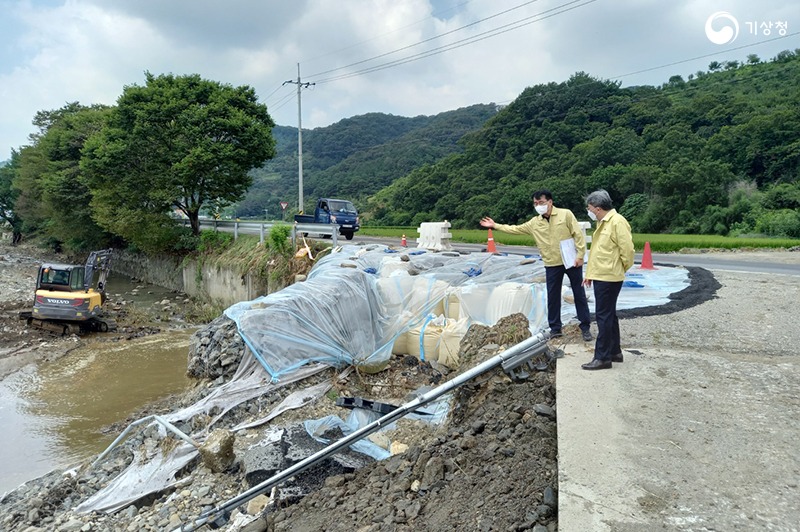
(357, 156)
(717, 152)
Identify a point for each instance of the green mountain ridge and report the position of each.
(715, 153)
(357, 156)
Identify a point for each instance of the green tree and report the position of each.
(8, 196)
(177, 143)
(52, 199)
(752, 59)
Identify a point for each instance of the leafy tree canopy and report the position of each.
(177, 143)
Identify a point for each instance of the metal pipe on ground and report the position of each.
(526, 349)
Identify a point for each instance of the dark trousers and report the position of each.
(555, 278)
(605, 312)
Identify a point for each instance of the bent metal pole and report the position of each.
(529, 348)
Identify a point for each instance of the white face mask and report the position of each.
(591, 215)
(541, 209)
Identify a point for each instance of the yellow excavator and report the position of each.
(67, 301)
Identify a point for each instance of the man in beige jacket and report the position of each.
(610, 257)
(549, 229)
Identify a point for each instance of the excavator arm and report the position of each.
(98, 261)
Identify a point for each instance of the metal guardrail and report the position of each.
(262, 228)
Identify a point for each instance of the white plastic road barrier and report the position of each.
(434, 236)
(584, 226)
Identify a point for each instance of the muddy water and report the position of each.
(51, 415)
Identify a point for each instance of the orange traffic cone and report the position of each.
(403, 242)
(647, 258)
(490, 245)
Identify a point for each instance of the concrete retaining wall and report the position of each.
(218, 284)
(221, 284)
(163, 271)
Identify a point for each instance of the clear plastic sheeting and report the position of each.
(358, 301)
(358, 306)
(248, 382)
(150, 472)
(361, 304)
(316, 428)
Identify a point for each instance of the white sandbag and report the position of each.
(472, 302)
(394, 293)
(418, 295)
(427, 296)
(393, 266)
(423, 339)
(450, 342)
(452, 304)
(400, 345)
(510, 298)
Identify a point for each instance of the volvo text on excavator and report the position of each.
(67, 301)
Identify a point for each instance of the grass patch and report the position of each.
(273, 262)
(666, 243)
(202, 312)
(658, 242)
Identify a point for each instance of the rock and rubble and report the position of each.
(499, 444)
(493, 466)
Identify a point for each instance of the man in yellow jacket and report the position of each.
(610, 257)
(549, 229)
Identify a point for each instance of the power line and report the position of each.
(354, 45)
(425, 40)
(469, 40)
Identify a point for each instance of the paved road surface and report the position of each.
(710, 261)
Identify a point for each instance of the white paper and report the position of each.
(568, 252)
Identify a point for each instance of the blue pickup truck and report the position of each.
(333, 211)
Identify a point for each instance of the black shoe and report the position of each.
(556, 334)
(587, 336)
(597, 364)
(617, 357)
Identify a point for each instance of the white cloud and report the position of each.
(88, 50)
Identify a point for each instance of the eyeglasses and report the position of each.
(541, 202)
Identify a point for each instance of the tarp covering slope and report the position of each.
(361, 301)
(356, 302)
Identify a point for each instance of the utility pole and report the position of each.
(300, 85)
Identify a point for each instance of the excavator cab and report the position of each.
(60, 278)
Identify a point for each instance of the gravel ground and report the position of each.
(698, 428)
(494, 466)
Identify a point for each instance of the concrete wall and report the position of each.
(221, 285)
(163, 271)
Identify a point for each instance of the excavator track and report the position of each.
(60, 328)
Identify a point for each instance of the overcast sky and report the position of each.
(404, 57)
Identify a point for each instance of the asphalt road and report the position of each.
(709, 261)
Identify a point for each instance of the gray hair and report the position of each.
(600, 199)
